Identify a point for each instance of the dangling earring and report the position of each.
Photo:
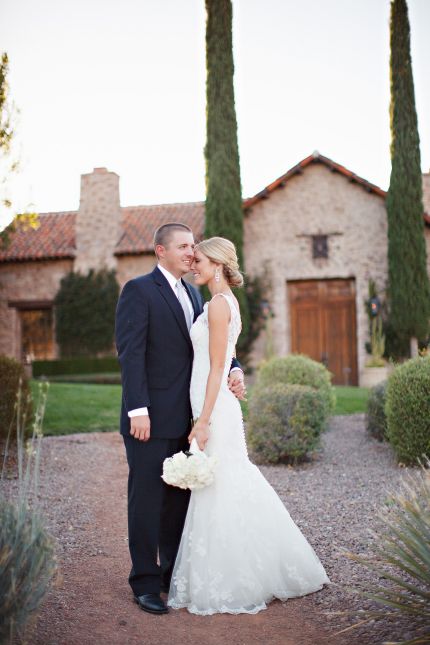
(217, 278)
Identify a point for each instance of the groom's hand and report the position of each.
(236, 383)
(140, 427)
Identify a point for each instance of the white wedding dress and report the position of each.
(239, 548)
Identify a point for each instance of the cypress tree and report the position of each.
(409, 288)
(224, 212)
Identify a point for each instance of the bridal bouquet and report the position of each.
(191, 469)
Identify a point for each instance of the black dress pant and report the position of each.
(156, 513)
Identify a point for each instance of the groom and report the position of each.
(154, 315)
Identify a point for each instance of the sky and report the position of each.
(121, 84)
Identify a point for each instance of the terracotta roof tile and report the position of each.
(316, 157)
(54, 238)
(139, 223)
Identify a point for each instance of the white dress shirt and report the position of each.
(172, 281)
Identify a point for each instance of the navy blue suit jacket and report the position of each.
(155, 353)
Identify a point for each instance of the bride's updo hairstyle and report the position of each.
(222, 251)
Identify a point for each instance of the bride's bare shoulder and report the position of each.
(219, 309)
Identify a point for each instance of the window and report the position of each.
(37, 333)
(319, 246)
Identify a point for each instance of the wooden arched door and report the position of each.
(323, 325)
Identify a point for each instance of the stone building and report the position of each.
(319, 232)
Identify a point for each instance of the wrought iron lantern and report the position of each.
(374, 306)
(266, 309)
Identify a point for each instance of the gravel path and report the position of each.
(334, 500)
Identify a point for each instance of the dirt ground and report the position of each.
(84, 491)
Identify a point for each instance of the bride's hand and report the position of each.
(200, 433)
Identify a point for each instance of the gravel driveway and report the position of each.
(334, 501)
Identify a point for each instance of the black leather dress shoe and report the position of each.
(152, 603)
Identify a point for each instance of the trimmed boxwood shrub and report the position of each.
(285, 422)
(83, 365)
(298, 369)
(376, 420)
(11, 372)
(408, 410)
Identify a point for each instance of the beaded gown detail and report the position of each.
(239, 548)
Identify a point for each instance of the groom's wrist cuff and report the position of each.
(138, 412)
(235, 369)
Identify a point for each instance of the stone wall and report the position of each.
(131, 266)
(26, 282)
(277, 231)
(39, 282)
(427, 238)
(426, 201)
(426, 192)
(277, 236)
(98, 221)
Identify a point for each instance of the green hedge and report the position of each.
(85, 313)
(75, 366)
(102, 378)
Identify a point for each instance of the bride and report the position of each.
(239, 548)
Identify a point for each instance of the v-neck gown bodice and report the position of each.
(239, 548)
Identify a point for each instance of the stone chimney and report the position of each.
(98, 221)
(426, 192)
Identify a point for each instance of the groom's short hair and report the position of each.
(163, 234)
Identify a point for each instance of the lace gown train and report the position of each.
(239, 548)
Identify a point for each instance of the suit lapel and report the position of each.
(167, 293)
